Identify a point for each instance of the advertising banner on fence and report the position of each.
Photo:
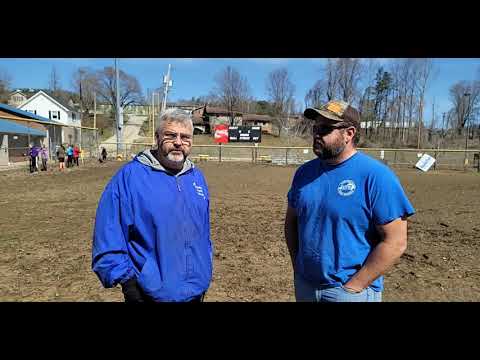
(425, 162)
(245, 134)
(221, 134)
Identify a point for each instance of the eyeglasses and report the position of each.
(171, 137)
(326, 129)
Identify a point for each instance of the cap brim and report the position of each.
(316, 114)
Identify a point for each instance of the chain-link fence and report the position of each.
(124, 151)
(279, 155)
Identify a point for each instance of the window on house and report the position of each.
(73, 116)
(54, 115)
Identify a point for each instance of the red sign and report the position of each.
(221, 133)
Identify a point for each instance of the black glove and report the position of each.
(132, 292)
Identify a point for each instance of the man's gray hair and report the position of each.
(174, 115)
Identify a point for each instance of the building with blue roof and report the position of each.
(7, 127)
(20, 129)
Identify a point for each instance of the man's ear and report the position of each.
(350, 132)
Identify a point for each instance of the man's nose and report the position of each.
(178, 140)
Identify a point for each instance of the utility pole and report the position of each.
(153, 118)
(119, 122)
(95, 121)
(168, 83)
(467, 95)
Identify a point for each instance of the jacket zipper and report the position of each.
(178, 184)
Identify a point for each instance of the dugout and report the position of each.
(15, 140)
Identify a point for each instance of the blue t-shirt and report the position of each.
(338, 207)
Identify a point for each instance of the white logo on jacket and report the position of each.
(199, 190)
(346, 188)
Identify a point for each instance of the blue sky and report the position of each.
(195, 77)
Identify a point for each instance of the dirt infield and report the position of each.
(46, 222)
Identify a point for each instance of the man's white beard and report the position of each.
(177, 158)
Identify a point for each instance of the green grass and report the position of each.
(107, 132)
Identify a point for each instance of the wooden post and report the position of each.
(220, 153)
(286, 156)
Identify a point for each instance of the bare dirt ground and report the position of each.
(46, 222)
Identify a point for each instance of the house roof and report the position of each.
(29, 115)
(48, 95)
(256, 117)
(9, 127)
(60, 101)
(218, 110)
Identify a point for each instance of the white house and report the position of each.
(44, 105)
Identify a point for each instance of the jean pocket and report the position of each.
(343, 295)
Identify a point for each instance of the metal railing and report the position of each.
(293, 155)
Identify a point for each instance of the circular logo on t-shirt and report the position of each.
(346, 187)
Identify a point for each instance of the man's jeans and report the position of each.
(304, 291)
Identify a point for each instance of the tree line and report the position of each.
(390, 97)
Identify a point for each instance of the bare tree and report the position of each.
(349, 71)
(280, 90)
(231, 89)
(425, 67)
(465, 98)
(54, 81)
(317, 95)
(130, 91)
(410, 78)
(86, 84)
(332, 78)
(5, 82)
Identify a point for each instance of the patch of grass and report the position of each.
(106, 133)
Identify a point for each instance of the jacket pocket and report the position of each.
(150, 278)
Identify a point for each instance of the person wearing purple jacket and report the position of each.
(33, 153)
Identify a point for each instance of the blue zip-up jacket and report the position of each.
(154, 226)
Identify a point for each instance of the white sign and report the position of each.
(425, 162)
(305, 151)
(382, 154)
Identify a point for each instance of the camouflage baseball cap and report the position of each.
(340, 112)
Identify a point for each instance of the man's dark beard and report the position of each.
(328, 152)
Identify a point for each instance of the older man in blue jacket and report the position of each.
(152, 227)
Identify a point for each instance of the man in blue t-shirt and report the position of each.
(346, 219)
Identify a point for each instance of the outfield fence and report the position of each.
(291, 155)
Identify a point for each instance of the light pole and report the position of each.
(168, 83)
(119, 120)
(467, 95)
